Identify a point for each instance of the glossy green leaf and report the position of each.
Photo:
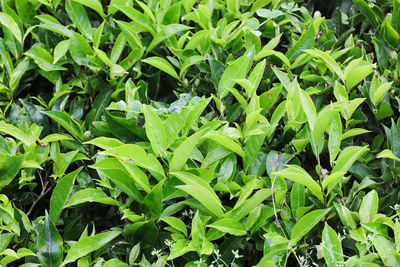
(89, 244)
(369, 207)
(230, 226)
(175, 223)
(356, 71)
(166, 32)
(236, 70)
(66, 122)
(138, 155)
(299, 175)
(79, 17)
(155, 131)
(306, 223)
(50, 245)
(161, 64)
(61, 193)
(93, 4)
(9, 168)
(90, 195)
(332, 247)
(8, 21)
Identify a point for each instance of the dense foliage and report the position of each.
(199, 133)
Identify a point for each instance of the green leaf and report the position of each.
(306, 40)
(130, 34)
(162, 64)
(354, 132)
(43, 59)
(50, 245)
(396, 15)
(332, 180)
(60, 50)
(65, 120)
(175, 223)
(332, 247)
(184, 150)
(197, 233)
(356, 71)
(390, 35)
(204, 197)
(105, 142)
(89, 244)
(90, 195)
(306, 223)
(155, 131)
(137, 18)
(78, 16)
(388, 154)
(16, 133)
(61, 194)
(9, 168)
(139, 156)
(369, 207)
(328, 60)
(93, 4)
(367, 11)
(133, 255)
(228, 225)
(266, 53)
(166, 32)
(8, 22)
(335, 136)
(385, 250)
(297, 198)
(380, 92)
(124, 175)
(226, 142)
(347, 157)
(299, 175)
(236, 70)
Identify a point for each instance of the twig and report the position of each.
(45, 190)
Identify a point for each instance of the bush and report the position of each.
(199, 133)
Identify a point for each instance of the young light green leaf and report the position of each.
(130, 34)
(356, 71)
(228, 225)
(226, 142)
(16, 133)
(299, 175)
(328, 60)
(93, 4)
(89, 244)
(43, 59)
(236, 70)
(204, 197)
(139, 156)
(385, 250)
(90, 195)
(161, 64)
(176, 223)
(105, 142)
(166, 32)
(79, 17)
(369, 207)
(380, 92)
(155, 131)
(306, 223)
(306, 40)
(347, 157)
(8, 22)
(332, 247)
